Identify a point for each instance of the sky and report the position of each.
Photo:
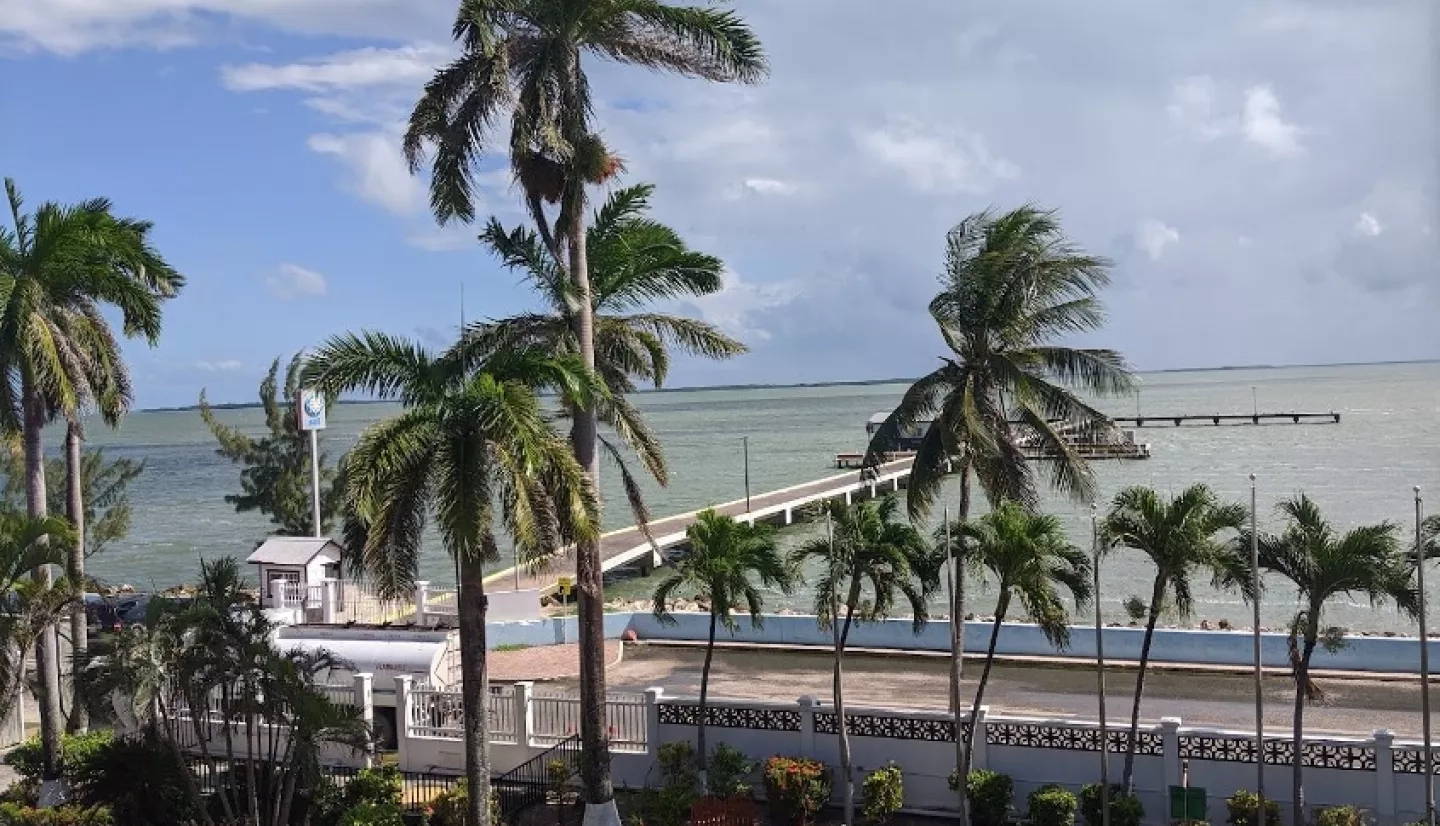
(1262, 172)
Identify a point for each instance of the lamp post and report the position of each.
(1424, 666)
(1254, 402)
(1100, 669)
(745, 441)
(1259, 673)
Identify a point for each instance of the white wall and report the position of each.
(514, 606)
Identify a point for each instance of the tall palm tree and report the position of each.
(472, 434)
(1182, 537)
(1031, 559)
(1013, 285)
(525, 57)
(58, 268)
(1369, 561)
(868, 561)
(634, 261)
(725, 560)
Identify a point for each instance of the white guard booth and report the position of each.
(296, 571)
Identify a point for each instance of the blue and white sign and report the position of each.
(312, 410)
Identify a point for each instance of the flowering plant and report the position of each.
(797, 788)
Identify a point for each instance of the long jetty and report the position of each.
(779, 507)
(1217, 419)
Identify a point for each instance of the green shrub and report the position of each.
(448, 808)
(25, 791)
(884, 791)
(1341, 816)
(668, 805)
(557, 775)
(1125, 810)
(1051, 805)
(729, 772)
(75, 749)
(380, 786)
(796, 788)
(373, 814)
(677, 764)
(15, 815)
(1241, 806)
(139, 778)
(989, 794)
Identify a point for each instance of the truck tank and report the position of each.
(426, 655)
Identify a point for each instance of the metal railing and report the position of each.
(534, 781)
(439, 713)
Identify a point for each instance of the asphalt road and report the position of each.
(1351, 706)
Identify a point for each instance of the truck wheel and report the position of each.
(385, 738)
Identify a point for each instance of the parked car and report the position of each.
(134, 608)
(102, 614)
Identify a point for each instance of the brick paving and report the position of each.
(545, 662)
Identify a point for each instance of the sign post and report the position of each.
(311, 412)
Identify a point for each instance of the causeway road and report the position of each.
(617, 545)
(1352, 707)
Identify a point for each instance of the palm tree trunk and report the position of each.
(1297, 736)
(1002, 606)
(47, 649)
(704, 694)
(957, 645)
(1157, 597)
(847, 790)
(475, 690)
(75, 569)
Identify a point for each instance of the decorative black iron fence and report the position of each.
(545, 776)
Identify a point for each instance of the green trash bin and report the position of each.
(1187, 803)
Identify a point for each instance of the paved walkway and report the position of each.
(621, 543)
(1352, 707)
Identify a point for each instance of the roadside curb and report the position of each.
(1028, 661)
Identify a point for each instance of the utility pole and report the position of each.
(1259, 672)
(1424, 666)
(1100, 669)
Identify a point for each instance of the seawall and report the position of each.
(1397, 655)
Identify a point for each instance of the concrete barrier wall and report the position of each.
(1380, 654)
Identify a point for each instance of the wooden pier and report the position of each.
(1217, 419)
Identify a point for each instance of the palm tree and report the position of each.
(25, 609)
(724, 560)
(1369, 561)
(1181, 537)
(870, 559)
(1012, 285)
(524, 56)
(1030, 558)
(472, 434)
(58, 267)
(634, 261)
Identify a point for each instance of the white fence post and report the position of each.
(979, 754)
(327, 601)
(653, 696)
(524, 713)
(1170, 743)
(365, 699)
(1384, 776)
(402, 721)
(807, 726)
(422, 590)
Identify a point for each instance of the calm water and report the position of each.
(1360, 471)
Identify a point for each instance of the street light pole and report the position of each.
(1254, 402)
(1424, 666)
(746, 442)
(1100, 670)
(1259, 672)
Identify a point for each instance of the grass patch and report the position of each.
(512, 646)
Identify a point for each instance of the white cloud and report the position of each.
(1263, 125)
(1152, 236)
(226, 366)
(936, 159)
(734, 307)
(360, 68)
(1368, 224)
(378, 170)
(292, 281)
(1198, 109)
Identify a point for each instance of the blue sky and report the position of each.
(1262, 172)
